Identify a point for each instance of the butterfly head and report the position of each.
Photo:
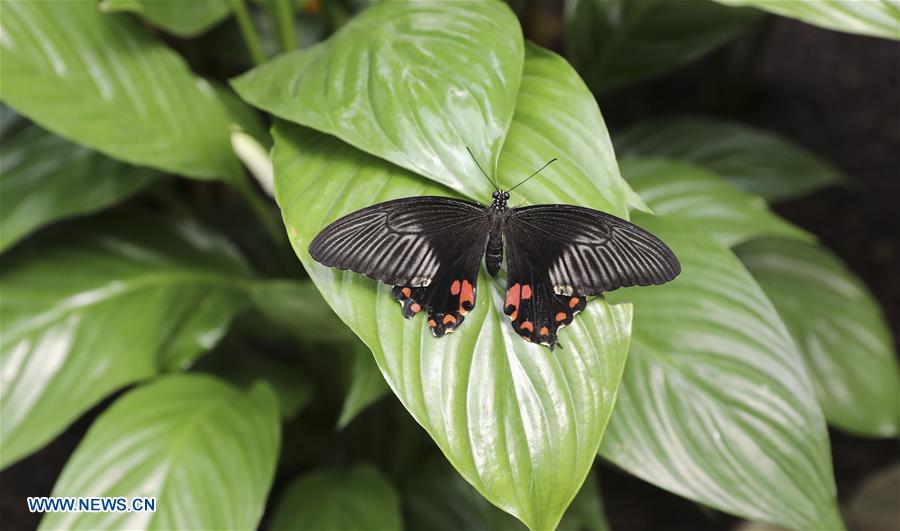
(500, 199)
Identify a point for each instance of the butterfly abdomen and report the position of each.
(493, 255)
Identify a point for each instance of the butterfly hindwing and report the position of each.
(560, 254)
(429, 248)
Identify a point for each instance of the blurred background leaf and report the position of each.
(437, 498)
(366, 384)
(44, 178)
(758, 161)
(101, 304)
(185, 18)
(687, 193)
(878, 18)
(716, 404)
(838, 328)
(137, 100)
(613, 43)
(412, 83)
(203, 449)
(339, 500)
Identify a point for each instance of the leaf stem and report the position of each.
(263, 211)
(284, 20)
(251, 37)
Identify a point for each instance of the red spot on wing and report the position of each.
(561, 316)
(448, 319)
(544, 331)
(431, 323)
(467, 294)
(526, 291)
(513, 315)
(573, 302)
(527, 326)
(512, 296)
(406, 292)
(454, 288)
(415, 308)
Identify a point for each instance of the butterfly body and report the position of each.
(430, 250)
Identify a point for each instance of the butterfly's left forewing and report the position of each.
(429, 248)
(557, 255)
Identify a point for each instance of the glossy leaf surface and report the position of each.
(437, 498)
(838, 328)
(137, 100)
(413, 83)
(519, 422)
(359, 498)
(102, 304)
(690, 194)
(758, 161)
(616, 42)
(716, 404)
(205, 450)
(878, 18)
(185, 18)
(44, 178)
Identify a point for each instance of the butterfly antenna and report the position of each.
(482, 169)
(533, 174)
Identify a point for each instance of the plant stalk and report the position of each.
(284, 20)
(263, 211)
(251, 37)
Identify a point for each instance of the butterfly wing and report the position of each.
(557, 255)
(429, 248)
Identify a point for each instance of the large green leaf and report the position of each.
(716, 404)
(205, 450)
(185, 18)
(879, 18)
(366, 386)
(556, 116)
(616, 42)
(437, 498)
(688, 193)
(758, 161)
(101, 304)
(839, 329)
(101, 81)
(412, 83)
(44, 178)
(520, 423)
(359, 498)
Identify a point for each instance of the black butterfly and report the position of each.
(429, 249)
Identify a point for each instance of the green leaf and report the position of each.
(695, 196)
(185, 18)
(102, 304)
(359, 498)
(243, 365)
(839, 329)
(298, 308)
(437, 498)
(758, 161)
(519, 422)
(556, 116)
(101, 81)
(616, 42)
(716, 404)
(44, 178)
(412, 83)
(205, 450)
(367, 385)
(878, 18)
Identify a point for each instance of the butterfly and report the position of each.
(430, 249)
